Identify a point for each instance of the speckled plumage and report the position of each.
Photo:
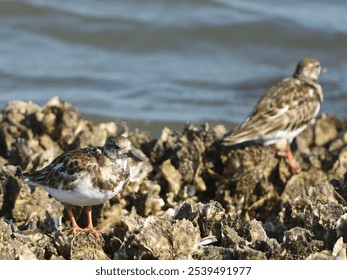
(88, 176)
(285, 110)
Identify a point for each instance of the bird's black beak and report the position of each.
(134, 156)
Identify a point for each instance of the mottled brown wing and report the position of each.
(66, 168)
(287, 106)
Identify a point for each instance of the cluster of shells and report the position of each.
(191, 198)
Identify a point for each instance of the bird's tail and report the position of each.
(27, 178)
(240, 137)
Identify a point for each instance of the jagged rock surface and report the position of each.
(191, 198)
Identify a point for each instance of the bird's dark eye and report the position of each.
(115, 146)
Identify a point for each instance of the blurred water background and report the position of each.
(168, 60)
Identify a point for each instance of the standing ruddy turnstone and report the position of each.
(86, 177)
(284, 111)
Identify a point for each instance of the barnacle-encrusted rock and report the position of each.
(24, 206)
(318, 210)
(191, 197)
(8, 250)
(9, 189)
(84, 246)
(62, 241)
(208, 217)
(338, 253)
(341, 227)
(150, 202)
(24, 245)
(339, 250)
(180, 157)
(247, 174)
(326, 128)
(213, 253)
(35, 205)
(339, 167)
(299, 243)
(161, 238)
(249, 240)
(298, 185)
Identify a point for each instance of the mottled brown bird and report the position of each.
(86, 177)
(284, 111)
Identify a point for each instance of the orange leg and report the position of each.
(288, 154)
(291, 161)
(90, 224)
(76, 228)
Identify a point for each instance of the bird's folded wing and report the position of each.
(288, 106)
(65, 168)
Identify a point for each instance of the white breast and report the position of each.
(84, 193)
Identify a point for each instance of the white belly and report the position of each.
(84, 193)
(289, 135)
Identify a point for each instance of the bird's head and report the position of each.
(308, 68)
(119, 147)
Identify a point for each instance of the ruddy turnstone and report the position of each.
(284, 111)
(86, 177)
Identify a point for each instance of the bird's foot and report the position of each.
(293, 167)
(291, 161)
(295, 170)
(96, 233)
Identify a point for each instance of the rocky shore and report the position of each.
(191, 198)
